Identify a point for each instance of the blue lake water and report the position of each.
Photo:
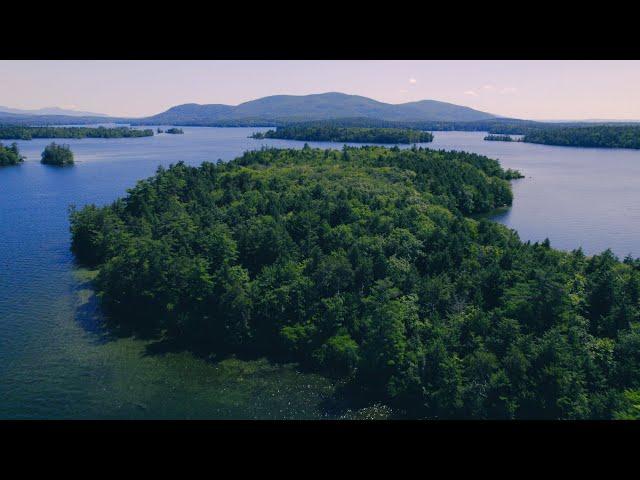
(577, 197)
(55, 360)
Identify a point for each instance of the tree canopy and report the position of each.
(365, 264)
(10, 155)
(27, 133)
(328, 132)
(600, 136)
(58, 155)
(500, 138)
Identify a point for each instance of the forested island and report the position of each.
(327, 132)
(597, 136)
(10, 155)
(601, 136)
(58, 155)
(174, 131)
(500, 138)
(28, 133)
(364, 264)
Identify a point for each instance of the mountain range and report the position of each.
(272, 110)
(50, 111)
(324, 106)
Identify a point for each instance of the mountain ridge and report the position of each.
(49, 111)
(320, 106)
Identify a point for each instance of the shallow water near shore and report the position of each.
(58, 361)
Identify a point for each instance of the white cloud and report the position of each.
(508, 90)
(488, 87)
(413, 81)
(471, 92)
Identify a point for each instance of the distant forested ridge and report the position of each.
(58, 155)
(10, 155)
(331, 133)
(324, 106)
(364, 264)
(602, 136)
(28, 133)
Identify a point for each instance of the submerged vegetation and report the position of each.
(28, 133)
(10, 155)
(600, 136)
(328, 132)
(58, 155)
(364, 264)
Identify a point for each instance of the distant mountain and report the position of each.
(50, 111)
(23, 119)
(324, 106)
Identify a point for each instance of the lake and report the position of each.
(586, 197)
(56, 361)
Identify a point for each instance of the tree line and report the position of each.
(28, 133)
(365, 264)
(500, 138)
(601, 136)
(328, 132)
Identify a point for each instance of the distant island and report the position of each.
(175, 131)
(58, 155)
(500, 138)
(328, 132)
(10, 155)
(28, 133)
(600, 136)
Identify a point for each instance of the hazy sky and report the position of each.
(522, 89)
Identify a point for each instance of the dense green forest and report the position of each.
(603, 136)
(10, 155)
(58, 155)
(500, 138)
(331, 133)
(28, 133)
(175, 131)
(365, 264)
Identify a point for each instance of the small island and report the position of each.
(58, 155)
(175, 131)
(159, 130)
(10, 155)
(332, 133)
(501, 138)
(28, 133)
(511, 174)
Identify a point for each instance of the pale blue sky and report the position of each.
(523, 89)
